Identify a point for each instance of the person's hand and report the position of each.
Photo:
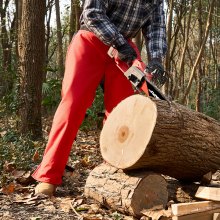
(126, 53)
(156, 70)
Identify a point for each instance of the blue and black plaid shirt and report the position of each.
(114, 21)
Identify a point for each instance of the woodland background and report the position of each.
(34, 36)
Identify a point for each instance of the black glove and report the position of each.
(126, 53)
(155, 68)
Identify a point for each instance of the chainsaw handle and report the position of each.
(123, 66)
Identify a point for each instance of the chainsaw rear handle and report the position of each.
(123, 66)
(133, 71)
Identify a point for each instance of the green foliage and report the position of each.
(51, 93)
(51, 97)
(10, 100)
(216, 33)
(212, 107)
(117, 216)
(18, 149)
(92, 115)
(14, 148)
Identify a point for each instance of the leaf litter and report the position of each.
(17, 199)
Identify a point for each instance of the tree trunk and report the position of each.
(31, 65)
(183, 53)
(59, 40)
(77, 14)
(163, 137)
(200, 74)
(6, 78)
(169, 34)
(74, 17)
(48, 36)
(72, 28)
(18, 5)
(126, 192)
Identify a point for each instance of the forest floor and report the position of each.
(17, 199)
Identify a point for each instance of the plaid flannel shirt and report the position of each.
(114, 21)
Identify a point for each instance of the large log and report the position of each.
(128, 193)
(164, 137)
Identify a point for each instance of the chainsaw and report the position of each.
(140, 80)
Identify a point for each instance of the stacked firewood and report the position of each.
(160, 162)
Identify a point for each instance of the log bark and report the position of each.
(164, 137)
(128, 193)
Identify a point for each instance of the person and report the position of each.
(104, 24)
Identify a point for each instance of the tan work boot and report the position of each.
(45, 188)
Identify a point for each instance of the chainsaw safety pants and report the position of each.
(87, 62)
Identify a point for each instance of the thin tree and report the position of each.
(169, 35)
(199, 56)
(6, 42)
(184, 49)
(59, 40)
(49, 8)
(200, 74)
(74, 17)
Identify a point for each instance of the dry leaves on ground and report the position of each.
(17, 199)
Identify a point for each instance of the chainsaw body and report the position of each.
(135, 74)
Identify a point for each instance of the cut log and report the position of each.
(194, 207)
(157, 214)
(208, 193)
(207, 215)
(164, 137)
(128, 193)
(216, 216)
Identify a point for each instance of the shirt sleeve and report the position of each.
(154, 32)
(97, 21)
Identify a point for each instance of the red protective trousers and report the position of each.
(87, 62)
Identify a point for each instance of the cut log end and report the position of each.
(123, 134)
(151, 193)
(124, 137)
(130, 192)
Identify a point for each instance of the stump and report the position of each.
(164, 137)
(128, 193)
